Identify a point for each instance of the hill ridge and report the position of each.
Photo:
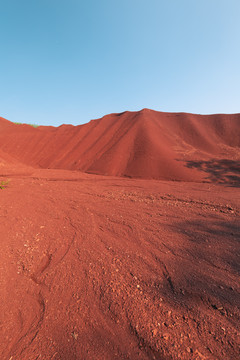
(145, 144)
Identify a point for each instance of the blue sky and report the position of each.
(70, 61)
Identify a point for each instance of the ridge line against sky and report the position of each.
(73, 61)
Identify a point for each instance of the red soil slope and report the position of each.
(97, 267)
(144, 144)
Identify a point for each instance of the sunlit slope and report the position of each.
(145, 144)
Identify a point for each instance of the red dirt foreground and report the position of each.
(141, 264)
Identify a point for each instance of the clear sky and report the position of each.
(70, 61)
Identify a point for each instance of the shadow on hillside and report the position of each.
(222, 171)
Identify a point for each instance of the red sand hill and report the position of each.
(98, 267)
(144, 144)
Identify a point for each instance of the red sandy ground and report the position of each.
(104, 267)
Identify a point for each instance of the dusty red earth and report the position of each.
(141, 264)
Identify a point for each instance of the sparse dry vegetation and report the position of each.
(3, 184)
(33, 125)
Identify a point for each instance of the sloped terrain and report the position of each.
(144, 144)
(126, 266)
